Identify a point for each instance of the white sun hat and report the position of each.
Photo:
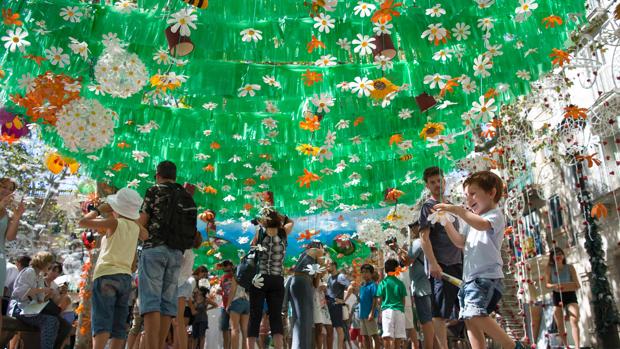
(126, 202)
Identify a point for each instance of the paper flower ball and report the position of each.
(120, 73)
(343, 244)
(86, 125)
(370, 230)
(441, 217)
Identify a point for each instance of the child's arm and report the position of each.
(376, 304)
(472, 219)
(144, 234)
(212, 304)
(457, 239)
(91, 221)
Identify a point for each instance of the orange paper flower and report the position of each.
(118, 166)
(386, 12)
(307, 235)
(590, 159)
(396, 138)
(314, 44)
(36, 59)
(310, 123)
(599, 211)
(210, 190)
(10, 18)
(358, 121)
(552, 21)
(307, 178)
(310, 77)
(450, 85)
(393, 194)
(573, 111)
(559, 57)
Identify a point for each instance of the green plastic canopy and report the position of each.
(234, 147)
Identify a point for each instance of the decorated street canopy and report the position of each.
(326, 103)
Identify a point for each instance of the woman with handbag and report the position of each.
(268, 284)
(30, 288)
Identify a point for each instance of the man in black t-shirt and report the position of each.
(442, 256)
(159, 264)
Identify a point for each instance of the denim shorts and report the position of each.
(158, 276)
(240, 306)
(110, 305)
(479, 297)
(185, 290)
(423, 308)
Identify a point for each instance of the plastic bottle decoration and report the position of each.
(201, 4)
(384, 46)
(178, 44)
(425, 101)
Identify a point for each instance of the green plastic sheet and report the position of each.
(221, 63)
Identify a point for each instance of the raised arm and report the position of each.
(473, 220)
(11, 232)
(91, 221)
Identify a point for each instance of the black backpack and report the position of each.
(180, 219)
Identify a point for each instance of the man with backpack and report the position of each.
(169, 213)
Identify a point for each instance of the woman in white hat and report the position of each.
(112, 276)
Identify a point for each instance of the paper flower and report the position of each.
(382, 28)
(85, 125)
(183, 20)
(363, 9)
(361, 86)
(384, 63)
(484, 109)
(441, 217)
(435, 11)
(370, 230)
(324, 23)
(248, 89)
(15, 39)
(79, 48)
(313, 269)
(364, 44)
(436, 80)
(326, 61)
(71, 14)
(461, 31)
(56, 56)
(436, 33)
(251, 34)
(322, 102)
(120, 73)
(344, 44)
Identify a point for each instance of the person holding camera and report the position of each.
(271, 238)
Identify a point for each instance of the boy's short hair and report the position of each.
(431, 172)
(334, 263)
(487, 181)
(367, 267)
(390, 265)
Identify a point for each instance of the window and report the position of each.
(555, 210)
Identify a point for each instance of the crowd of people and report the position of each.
(146, 293)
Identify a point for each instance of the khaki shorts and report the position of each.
(369, 327)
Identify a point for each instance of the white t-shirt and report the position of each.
(483, 258)
(187, 266)
(11, 275)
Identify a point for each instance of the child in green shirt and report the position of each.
(392, 293)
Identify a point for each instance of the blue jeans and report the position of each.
(158, 275)
(110, 304)
(479, 297)
(48, 326)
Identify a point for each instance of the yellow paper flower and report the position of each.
(308, 149)
(431, 130)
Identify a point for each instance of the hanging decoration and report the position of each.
(120, 73)
(86, 125)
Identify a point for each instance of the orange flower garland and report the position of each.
(49, 94)
(85, 295)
